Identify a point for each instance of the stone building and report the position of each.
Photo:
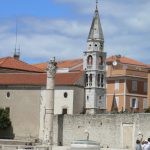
(22, 91)
(127, 82)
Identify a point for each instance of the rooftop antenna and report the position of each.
(17, 50)
(96, 4)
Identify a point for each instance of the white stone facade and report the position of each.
(94, 66)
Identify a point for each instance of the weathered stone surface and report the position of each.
(110, 130)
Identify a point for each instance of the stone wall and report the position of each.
(24, 105)
(110, 130)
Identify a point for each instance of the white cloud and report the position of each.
(41, 39)
(125, 24)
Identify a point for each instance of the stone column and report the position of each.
(49, 108)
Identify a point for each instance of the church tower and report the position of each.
(94, 67)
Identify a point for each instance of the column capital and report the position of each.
(52, 67)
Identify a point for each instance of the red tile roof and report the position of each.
(68, 78)
(69, 63)
(76, 62)
(22, 79)
(39, 78)
(12, 63)
(63, 64)
(126, 60)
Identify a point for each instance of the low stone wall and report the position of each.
(110, 130)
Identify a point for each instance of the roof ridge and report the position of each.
(77, 72)
(12, 63)
(4, 60)
(135, 61)
(70, 59)
(27, 63)
(76, 66)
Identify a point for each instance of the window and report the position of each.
(64, 111)
(102, 80)
(145, 106)
(90, 83)
(98, 80)
(86, 80)
(117, 85)
(134, 103)
(87, 98)
(8, 95)
(100, 60)
(90, 60)
(65, 95)
(101, 46)
(145, 86)
(117, 101)
(134, 85)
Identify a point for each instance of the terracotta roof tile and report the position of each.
(69, 63)
(38, 78)
(126, 60)
(62, 64)
(76, 62)
(42, 66)
(68, 78)
(22, 79)
(12, 63)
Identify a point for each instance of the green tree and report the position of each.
(147, 110)
(4, 118)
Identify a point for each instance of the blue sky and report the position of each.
(59, 28)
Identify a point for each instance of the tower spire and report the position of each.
(96, 32)
(17, 50)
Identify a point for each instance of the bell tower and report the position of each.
(94, 67)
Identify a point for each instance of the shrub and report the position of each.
(4, 118)
(147, 110)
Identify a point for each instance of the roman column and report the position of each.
(49, 108)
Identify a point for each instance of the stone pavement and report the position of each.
(68, 148)
(12, 147)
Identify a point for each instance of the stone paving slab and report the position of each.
(13, 147)
(68, 148)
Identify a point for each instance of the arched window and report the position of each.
(102, 80)
(98, 80)
(90, 83)
(86, 79)
(90, 60)
(101, 46)
(100, 60)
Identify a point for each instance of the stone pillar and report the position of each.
(49, 108)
